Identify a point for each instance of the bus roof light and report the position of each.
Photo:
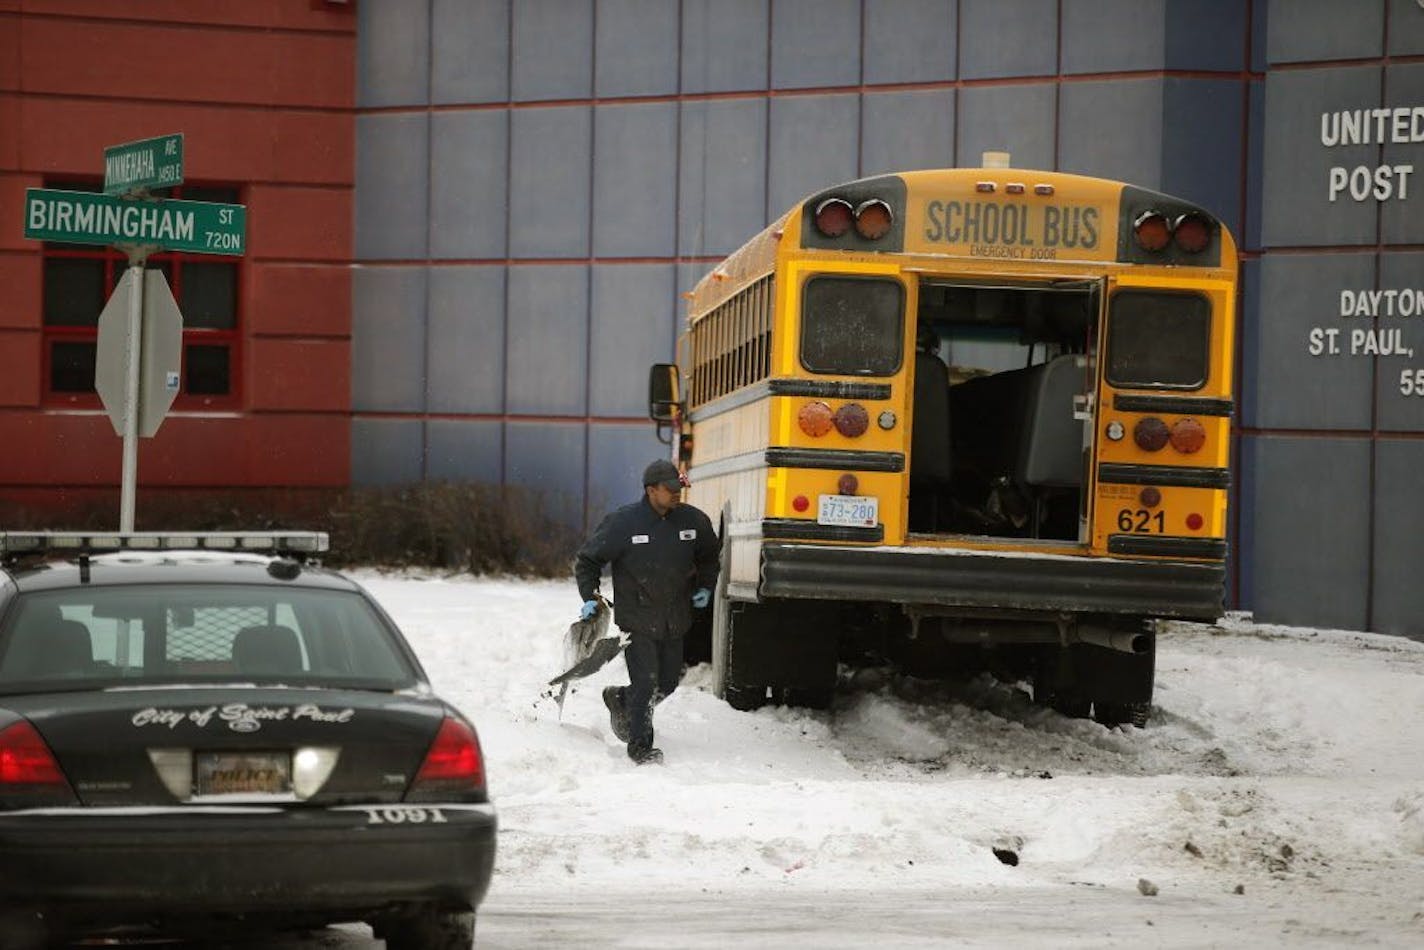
(1043, 189)
(1152, 230)
(873, 219)
(985, 186)
(1192, 232)
(833, 217)
(1014, 188)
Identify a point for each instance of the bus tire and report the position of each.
(1064, 703)
(818, 698)
(1054, 685)
(738, 695)
(744, 698)
(1113, 715)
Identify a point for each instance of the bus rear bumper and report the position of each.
(959, 577)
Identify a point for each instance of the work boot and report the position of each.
(641, 755)
(617, 715)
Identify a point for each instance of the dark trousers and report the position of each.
(654, 669)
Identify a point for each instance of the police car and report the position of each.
(207, 732)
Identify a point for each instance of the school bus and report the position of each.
(972, 418)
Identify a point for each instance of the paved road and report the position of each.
(1068, 915)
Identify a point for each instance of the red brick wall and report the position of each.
(264, 95)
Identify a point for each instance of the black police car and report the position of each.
(204, 733)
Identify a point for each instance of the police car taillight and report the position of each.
(453, 766)
(29, 768)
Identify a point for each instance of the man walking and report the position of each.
(664, 557)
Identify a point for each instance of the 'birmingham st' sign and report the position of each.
(81, 217)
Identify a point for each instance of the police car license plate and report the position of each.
(852, 511)
(235, 773)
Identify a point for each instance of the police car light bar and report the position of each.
(275, 542)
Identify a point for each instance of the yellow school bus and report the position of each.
(971, 418)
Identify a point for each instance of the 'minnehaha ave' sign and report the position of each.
(148, 163)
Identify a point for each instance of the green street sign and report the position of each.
(82, 217)
(148, 163)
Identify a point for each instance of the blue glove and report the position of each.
(700, 599)
(590, 607)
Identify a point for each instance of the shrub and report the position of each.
(482, 529)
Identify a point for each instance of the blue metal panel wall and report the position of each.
(469, 184)
(388, 340)
(466, 353)
(566, 169)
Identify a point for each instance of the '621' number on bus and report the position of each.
(1141, 521)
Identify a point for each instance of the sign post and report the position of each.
(128, 480)
(138, 351)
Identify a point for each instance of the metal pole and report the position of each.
(128, 486)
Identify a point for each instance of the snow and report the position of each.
(1276, 797)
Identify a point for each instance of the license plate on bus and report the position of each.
(243, 773)
(850, 511)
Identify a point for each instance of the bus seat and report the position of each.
(929, 436)
(268, 648)
(988, 413)
(930, 472)
(1051, 440)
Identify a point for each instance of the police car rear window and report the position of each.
(151, 634)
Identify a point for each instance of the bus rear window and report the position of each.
(1158, 339)
(852, 325)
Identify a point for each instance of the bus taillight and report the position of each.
(1188, 436)
(847, 484)
(1152, 231)
(833, 217)
(814, 418)
(873, 219)
(852, 420)
(1150, 434)
(1192, 232)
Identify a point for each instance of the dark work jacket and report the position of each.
(658, 562)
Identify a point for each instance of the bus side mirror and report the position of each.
(664, 403)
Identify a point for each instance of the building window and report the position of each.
(78, 279)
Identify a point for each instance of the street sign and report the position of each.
(81, 217)
(160, 356)
(140, 341)
(148, 163)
